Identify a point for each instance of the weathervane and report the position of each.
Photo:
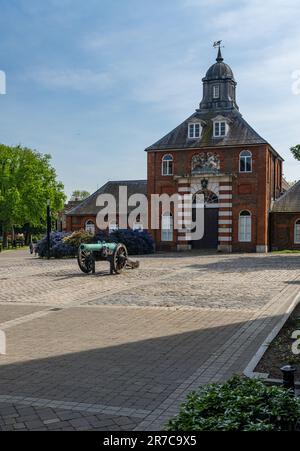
(217, 44)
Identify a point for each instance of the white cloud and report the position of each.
(84, 80)
(161, 66)
(102, 41)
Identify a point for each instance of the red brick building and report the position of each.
(84, 215)
(215, 152)
(285, 220)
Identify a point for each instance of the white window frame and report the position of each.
(297, 232)
(218, 125)
(167, 165)
(90, 226)
(167, 227)
(195, 130)
(245, 227)
(216, 91)
(245, 157)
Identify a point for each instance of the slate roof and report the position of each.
(89, 207)
(240, 133)
(289, 202)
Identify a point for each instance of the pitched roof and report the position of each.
(289, 202)
(240, 133)
(89, 207)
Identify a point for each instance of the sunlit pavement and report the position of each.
(120, 352)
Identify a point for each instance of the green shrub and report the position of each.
(58, 249)
(240, 404)
(77, 238)
(138, 242)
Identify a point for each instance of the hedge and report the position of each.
(240, 404)
(63, 244)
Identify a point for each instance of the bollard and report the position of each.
(288, 377)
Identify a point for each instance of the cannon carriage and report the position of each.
(115, 253)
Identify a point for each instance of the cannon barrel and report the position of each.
(97, 247)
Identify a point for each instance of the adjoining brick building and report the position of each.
(215, 152)
(285, 220)
(84, 215)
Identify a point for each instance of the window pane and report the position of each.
(297, 233)
(217, 129)
(191, 131)
(167, 228)
(164, 171)
(194, 130)
(167, 168)
(245, 229)
(245, 163)
(242, 165)
(216, 92)
(223, 128)
(248, 164)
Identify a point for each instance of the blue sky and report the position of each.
(95, 82)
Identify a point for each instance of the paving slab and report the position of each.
(120, 353)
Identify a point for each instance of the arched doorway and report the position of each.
(211, 221)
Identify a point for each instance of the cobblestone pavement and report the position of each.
(120, 352)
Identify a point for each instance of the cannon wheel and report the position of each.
(119, 259)
(86, 261)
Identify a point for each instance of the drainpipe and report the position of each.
(274, 181)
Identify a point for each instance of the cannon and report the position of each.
(115, 253)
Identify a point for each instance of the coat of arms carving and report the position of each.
(205, 163)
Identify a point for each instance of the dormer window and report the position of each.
(216, 91)
(220, 129)
(195, 130)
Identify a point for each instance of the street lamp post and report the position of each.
(48, 228)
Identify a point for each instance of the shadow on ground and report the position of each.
(138, 375)
(236, 264)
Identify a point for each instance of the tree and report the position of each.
(296, 151)
(80, 195)
(27, 181)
